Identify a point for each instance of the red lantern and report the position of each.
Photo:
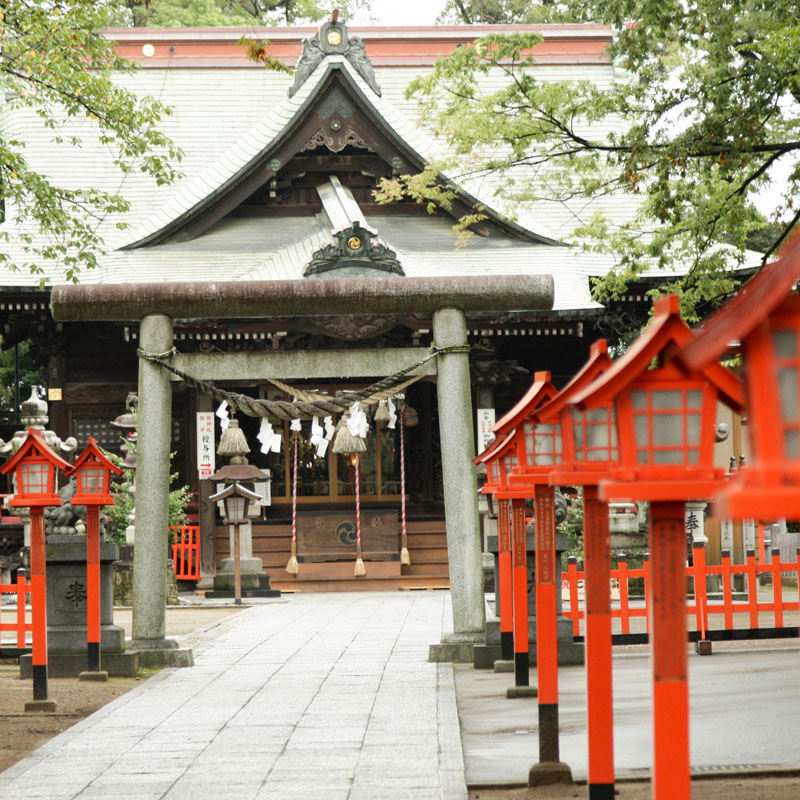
(665, 417)
(765, 318)
(35, 467)
(665, 414)
(92, 470)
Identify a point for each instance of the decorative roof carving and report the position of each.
(355, 249)
(333, 39)
(335, 140)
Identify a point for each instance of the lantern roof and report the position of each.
(541, 391)
(497, 449)
(598, 362)
(757, 299)
(235, 489)
(92, 451)
(34, 442)
(666, 334)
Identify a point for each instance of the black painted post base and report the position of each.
(521, 669)
(93, 656)
(601, 791)
(548, 732)
(507, 645)
(40, 681)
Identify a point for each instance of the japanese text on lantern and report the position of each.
(544, 516)
(205, 443)
(518, 530)
(503, 526)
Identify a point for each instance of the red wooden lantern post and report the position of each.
(92, 471)
(499, 458)
(590, 450)
(539, 443)
(510, 425)
(765, 317)
(665, 418)
(34, 465)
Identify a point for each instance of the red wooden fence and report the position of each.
(10, 646)
(186, 551)
(699, 608)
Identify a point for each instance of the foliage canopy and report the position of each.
(57, 64)
(705, 116)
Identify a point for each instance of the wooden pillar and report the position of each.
(520, 581)
(549, 769)
(599, 688)
(667, 612)
(504, 576)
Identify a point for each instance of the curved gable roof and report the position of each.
(260, 154)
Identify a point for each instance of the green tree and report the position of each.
(496, 12)
(56, 62)
(187, 13)
(706, 116)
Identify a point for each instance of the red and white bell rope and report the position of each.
(292, 567)
(360, 568)
(405, 558)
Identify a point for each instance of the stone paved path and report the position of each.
(324, 696)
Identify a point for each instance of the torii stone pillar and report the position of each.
(152, 485)
(458, 473)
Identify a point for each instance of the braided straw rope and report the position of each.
(319, 406)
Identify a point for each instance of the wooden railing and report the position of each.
(705, 614)
(186, 551)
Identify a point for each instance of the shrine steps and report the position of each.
(427, 546)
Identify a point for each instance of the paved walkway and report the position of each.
(323, 696)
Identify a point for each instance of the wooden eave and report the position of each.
(383, 140)
(665, 336)
(92, 450)
(755, 301)
(541, 391)
(599, 362)
(34, 441)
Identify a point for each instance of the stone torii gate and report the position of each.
(447, 299)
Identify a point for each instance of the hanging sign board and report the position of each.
(205, 444)
(485, 425)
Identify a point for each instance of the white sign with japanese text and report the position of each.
(485, 425)
(205, 444)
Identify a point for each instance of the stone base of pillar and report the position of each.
(160, 653)
(455, 647)
(546, 773)
(570, 653)
(117, 665)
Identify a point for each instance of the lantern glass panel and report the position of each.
(34, 478)
(667, 424)
(547, 444)
(787, 362)
(787, 388)
(528, 439)
(234, 507)
(494, 468)
(595, 434)
(90, 480)
(792, 443)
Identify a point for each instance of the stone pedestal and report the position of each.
(255, 582)
(569, 652)
(66, 612)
